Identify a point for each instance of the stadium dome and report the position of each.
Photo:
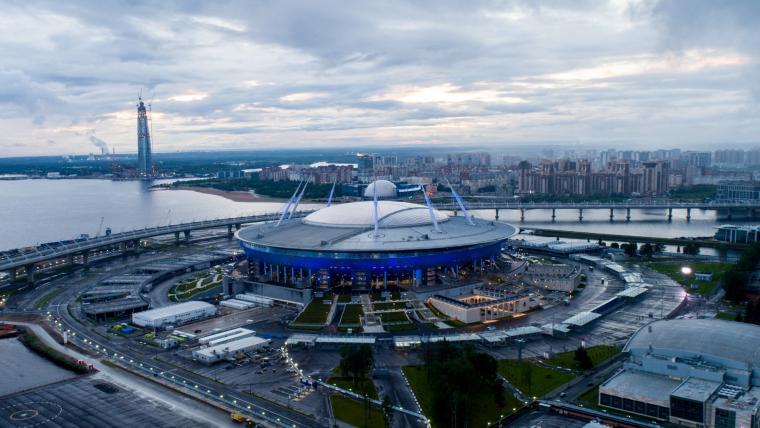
(385, 189)
(389, 214)
(338, 246)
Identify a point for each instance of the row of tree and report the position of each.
(632, 249)
(735, 280)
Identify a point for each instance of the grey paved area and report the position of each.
(542, 419)
(87, 402)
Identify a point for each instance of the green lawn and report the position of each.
(407, 326)
(532, 379)
(726, 315)
(704, 288)
(590, 397)
(598, 354)
(354, 412)
(44, 299)
(363, 386)
(315, 312)
(351, 314)
(394, 317)
(487, 412)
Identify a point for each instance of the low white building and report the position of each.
(482, 306)
(181, 313)
(228, 350)
(255, 298)
(553, 277)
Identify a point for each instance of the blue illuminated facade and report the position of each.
(362, 269)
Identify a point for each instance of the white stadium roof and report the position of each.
(389, 214)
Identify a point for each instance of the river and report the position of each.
(36, 211)
(22, 369)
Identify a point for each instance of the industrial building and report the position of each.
(371, 244)
(174, 315)
(229, 349)
(697, 373)
(225, 336)
(119, 308)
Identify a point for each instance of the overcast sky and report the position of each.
(268, 74)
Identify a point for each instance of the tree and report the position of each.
(646, 250)
(387, 410)
(734, 283)
(356, 361)
(629, 248)
(583, 359)
(460, 380)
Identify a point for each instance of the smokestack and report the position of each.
(99, 144)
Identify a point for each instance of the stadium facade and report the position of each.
(371, 244)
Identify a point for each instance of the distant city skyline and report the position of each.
(494, 76)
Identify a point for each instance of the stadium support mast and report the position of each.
(144, 150)
(460, 202)
(287, 207)
(374, 202)
(332, 192)
(298, 200)
(430, 210)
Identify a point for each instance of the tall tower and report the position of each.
(144, 153)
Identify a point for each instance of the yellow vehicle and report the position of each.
(237, 417)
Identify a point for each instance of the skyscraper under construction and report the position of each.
(144, 153)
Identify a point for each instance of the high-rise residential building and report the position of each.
(144, 151)
(699, 159)
(729, 157)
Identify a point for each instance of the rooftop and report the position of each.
(728, 340)
(638, 385)
(389, 214)
(696, 389)
(175, 309)
(456, 232)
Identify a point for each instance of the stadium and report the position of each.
(371, 244)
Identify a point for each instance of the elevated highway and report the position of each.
(11, 261)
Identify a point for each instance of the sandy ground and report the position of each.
(238, 196)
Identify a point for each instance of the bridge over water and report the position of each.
(12, 260)
(728, 207)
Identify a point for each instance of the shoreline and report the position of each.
(238, 195)
(235, 196)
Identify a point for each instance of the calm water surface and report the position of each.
(21, 369)
(35, 211)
